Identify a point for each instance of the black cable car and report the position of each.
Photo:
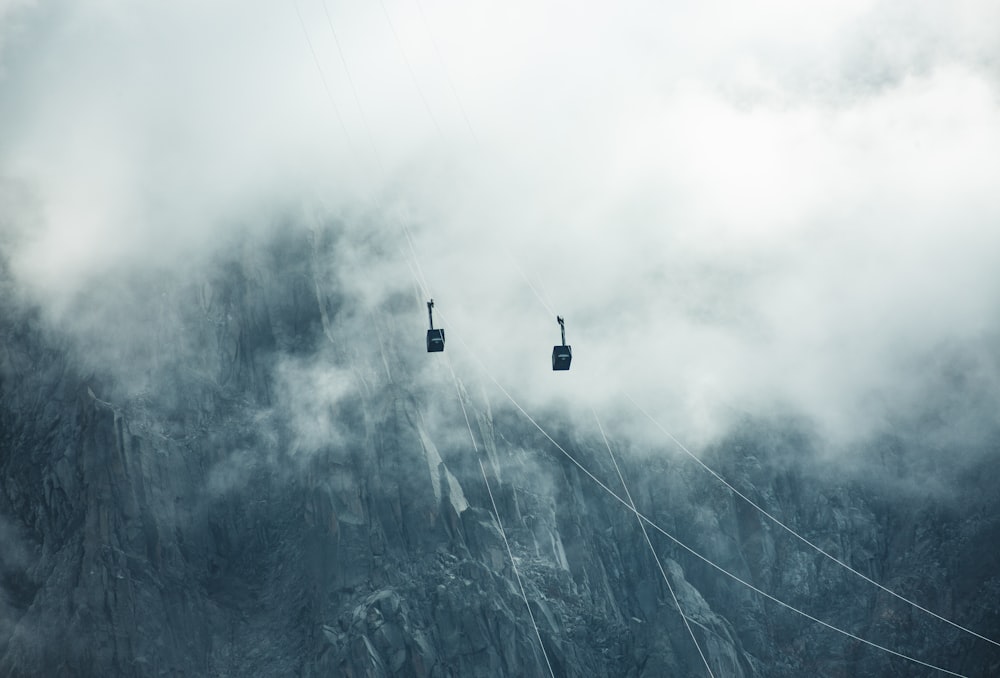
(435, 337)
(561, 355)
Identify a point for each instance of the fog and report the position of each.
(739, 211)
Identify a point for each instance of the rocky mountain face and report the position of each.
(240, 473)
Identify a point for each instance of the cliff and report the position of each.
(241, 472)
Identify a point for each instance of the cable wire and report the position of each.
(416, 83)
(510, 554)
(444, 66)
(322, 74)
(479, 145)
(649, 543)
(354, 90)
(422, 279)
(417, 270)
(496, 514)
(798, 536)
(418, 273)
(527, 280)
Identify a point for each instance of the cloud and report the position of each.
(11, 12)
(736, 209)
(310, 392)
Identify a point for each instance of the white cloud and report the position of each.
(734, 206)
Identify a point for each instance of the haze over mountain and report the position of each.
(224, 451)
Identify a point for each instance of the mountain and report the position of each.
(239, 470)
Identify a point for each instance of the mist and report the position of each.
(739, 212)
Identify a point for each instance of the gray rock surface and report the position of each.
(255, 482)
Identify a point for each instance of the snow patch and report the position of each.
(433, 458)
(455, 494)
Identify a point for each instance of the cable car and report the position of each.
(435, 337)
(561, 355)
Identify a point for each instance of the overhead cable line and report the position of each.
(418, 274)
(354, 90)
(322, 75)
(406, 60)
(798, 536)
(496, 515)
(447, 73)
(475, 137)
(652, 550)
(529, 283)
(416, 260)
(684, 546)
(510, 554)
(421, 280)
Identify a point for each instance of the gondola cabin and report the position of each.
(435, 337)
(562, 355)
(435, 340)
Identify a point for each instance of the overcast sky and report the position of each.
(738, 207)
